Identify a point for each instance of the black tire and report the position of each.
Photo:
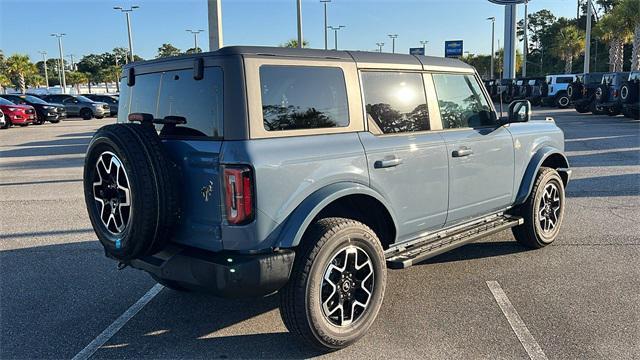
(612, 111)
(300, 300)
(7, 123)
(532, 233)
(54, 121)
(631, 113)
(562, 100)
(601, 93)
(629, 92)
(574, 91)
(173, 285)
(596, 108)
(152, 188)
(582, 108)
(86, 114)
(99, 117)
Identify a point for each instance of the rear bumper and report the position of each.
(226, 274)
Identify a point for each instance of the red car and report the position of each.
(22, 115)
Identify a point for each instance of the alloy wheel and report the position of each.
(549, 208)
(111, 192)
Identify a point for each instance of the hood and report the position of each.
(25, 107)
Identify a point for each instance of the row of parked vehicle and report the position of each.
(600, 93)
(27, 109)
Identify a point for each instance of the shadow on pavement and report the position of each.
(82, 134)
(477, 251)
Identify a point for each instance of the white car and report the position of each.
(3, 122)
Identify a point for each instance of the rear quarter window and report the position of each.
(303, 97)
(564, 79)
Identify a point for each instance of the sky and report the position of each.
(92, 26)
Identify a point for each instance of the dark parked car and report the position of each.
(112, 100)
(78, 105)
(607, 94)
(252, 170)
(14, 114)
(582, 92)
(45, 111)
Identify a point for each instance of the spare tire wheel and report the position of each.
(131, 190)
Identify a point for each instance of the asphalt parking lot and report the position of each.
(579, 298)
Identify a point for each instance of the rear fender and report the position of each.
(562, 166)
(297, 222)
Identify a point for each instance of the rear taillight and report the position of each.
(238, 190)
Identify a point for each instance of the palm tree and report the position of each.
(19, 66)
(4, 82)
(569, 43)
(629, 11)
(75, 78)
(293, 43)
(611, 29)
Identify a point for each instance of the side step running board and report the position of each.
(443, 241)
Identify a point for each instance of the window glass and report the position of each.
(4, 101)
(303, 97)
(461, 102)
(564, 79)
(144, 94)
(198, 101)
(123, 106)
(395, 102)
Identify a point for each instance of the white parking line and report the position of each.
(526, 339)
(118, 324)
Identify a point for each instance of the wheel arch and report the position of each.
(345, 199)
(546, 156)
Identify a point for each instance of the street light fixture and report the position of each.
(44, 61)
(493, 36)
(335, 32)
(61, 69)
(393, 42)
(195, 38)
(380, 45)
(73, 65)
(325, 2)
(424, 46)
(127, 11)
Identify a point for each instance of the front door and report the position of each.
(407, 162)
(481, 158)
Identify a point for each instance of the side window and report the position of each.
(395, 102)
(303, 97)
(564, 80)
(198, 101)
(461, 102)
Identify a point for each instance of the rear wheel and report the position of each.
(337, 284)
(582, 109)
(562, 100)
(86, 114)
(542, 212)
(597, 109)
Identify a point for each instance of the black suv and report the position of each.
(629, 96)
(607, 94)
(534, 90)
(45, 111)
(582, 93)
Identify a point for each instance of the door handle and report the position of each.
(462, 152)
(387, 163)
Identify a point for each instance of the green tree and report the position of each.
(4, 82)
(167, 50)
(193, 50)
(75, 78)
(629, 12)
(536, 24)
(18, 67)
(569, 44)
(612, 31)
(293, 43)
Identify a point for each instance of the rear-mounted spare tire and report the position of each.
(131, 190)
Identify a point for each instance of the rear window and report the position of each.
(177, 93)
(303, 97)
(564, 79)
(593, 78)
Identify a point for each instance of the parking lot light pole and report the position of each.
(195, 38)
(393, 42)
(326, 43)
(335, 33)
(61, 71)
(299, 11)
(493, 41)
(587, 48)
(44, 61)
(380, 45)
(525, 42)
(424, 46)
(73, 65)
(126, 12)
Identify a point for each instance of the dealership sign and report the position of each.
(416, 51)
(453, 48)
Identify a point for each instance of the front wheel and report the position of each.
(86, 114)
(542, 212)
(337, 284)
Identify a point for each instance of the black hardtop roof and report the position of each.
(358, 56)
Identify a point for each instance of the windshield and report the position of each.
(83, 99)
(35, 100)
(4, 101)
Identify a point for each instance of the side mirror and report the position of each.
(519, 111)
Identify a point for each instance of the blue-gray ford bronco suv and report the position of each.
(254, 170)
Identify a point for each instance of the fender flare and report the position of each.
(529, 177)
(294, 227)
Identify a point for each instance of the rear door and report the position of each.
(407, 162)
(480, 153)
(194, 146)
